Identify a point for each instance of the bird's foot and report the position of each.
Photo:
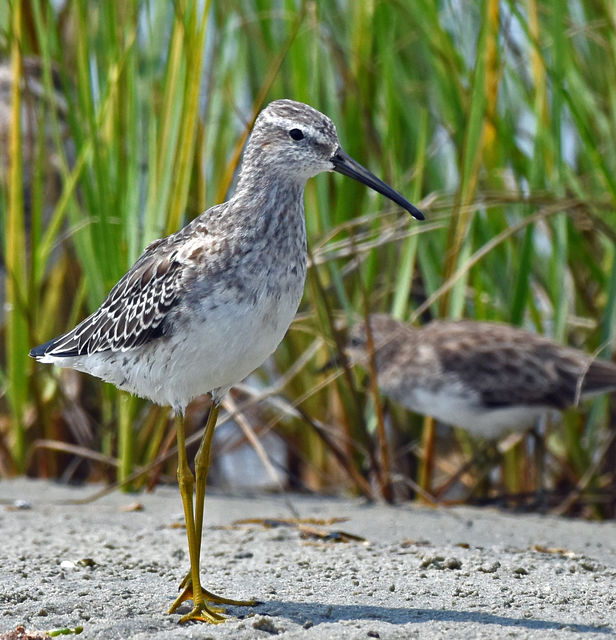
(186, 593)
(203, 613)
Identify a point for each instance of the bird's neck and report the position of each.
(260, 174)
(268, 193)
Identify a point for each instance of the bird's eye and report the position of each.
(296, 134)
(356, 342)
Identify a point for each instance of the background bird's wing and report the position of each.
(510, 366)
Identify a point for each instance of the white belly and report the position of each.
(465, 411)
(209, 349)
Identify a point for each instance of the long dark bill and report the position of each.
(343, 163)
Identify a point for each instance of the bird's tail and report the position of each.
(600, 377)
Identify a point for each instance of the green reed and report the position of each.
(496, 118)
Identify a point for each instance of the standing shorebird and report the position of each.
(485, 377)
(204, 307)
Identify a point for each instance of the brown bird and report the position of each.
(485, 377)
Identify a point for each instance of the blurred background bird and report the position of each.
(489, 378)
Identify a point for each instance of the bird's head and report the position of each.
(293, 139)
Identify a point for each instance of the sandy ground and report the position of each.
(419, 573)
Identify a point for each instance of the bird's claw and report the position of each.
(203, 613)
(186, 593)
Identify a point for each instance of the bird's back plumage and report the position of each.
(507, 365)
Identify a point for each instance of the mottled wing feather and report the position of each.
(133, 313)
(504, 377)
(499, 365)
(508, 366)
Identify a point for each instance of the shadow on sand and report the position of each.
(319, 613)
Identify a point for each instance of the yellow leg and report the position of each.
(202, 465)
(200, 610)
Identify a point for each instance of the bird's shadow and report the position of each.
(317, 613)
